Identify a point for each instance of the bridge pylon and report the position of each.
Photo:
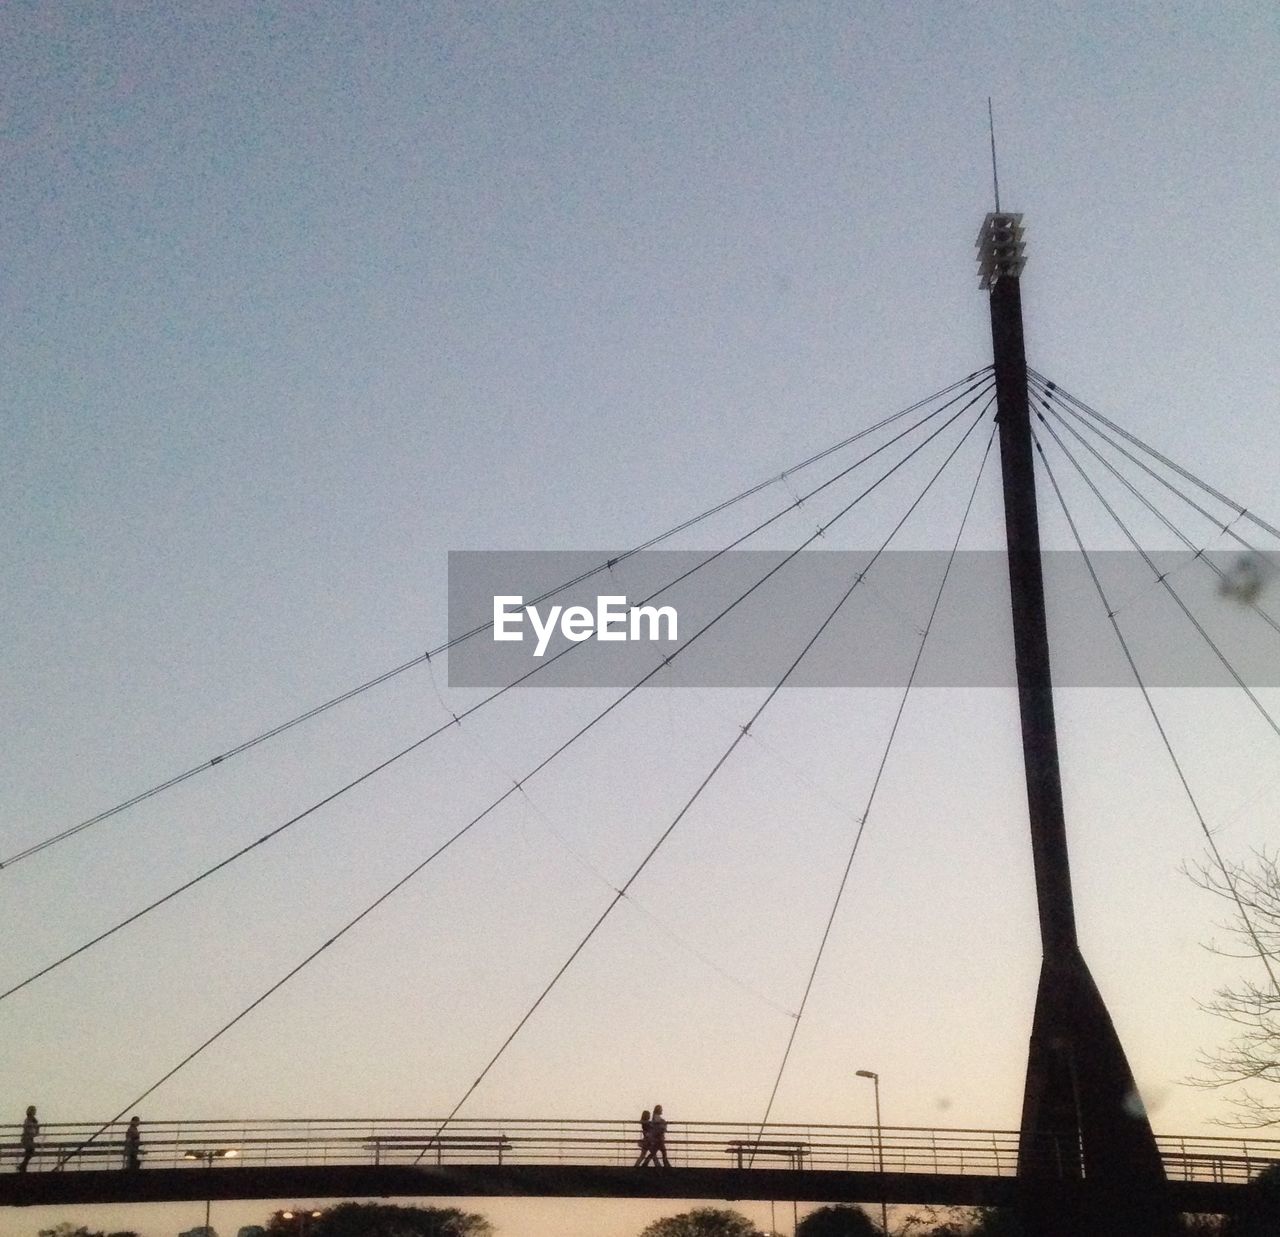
(1087, 1158)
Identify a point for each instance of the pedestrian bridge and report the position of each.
(539, 1157)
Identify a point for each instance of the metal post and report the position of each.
(1080, 1094)
(208, 1157)
(884, 1206)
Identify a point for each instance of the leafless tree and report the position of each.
(1252, 888)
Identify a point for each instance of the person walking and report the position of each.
(133, 1147)
(658, 1129)
(30, 1132)
(648, 1154)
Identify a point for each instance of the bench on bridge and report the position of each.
(744, 1150)
(493, 1143)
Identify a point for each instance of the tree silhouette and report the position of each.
(996, 1222)
(1003, 1222)
(841, 1220)
(703, 1222)
(1259, 1211)
(1203, 1226)
(381, 1220)
(1253, 1008)
(968, 1222)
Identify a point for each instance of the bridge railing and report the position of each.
(227, 1145)
(1223, 1159)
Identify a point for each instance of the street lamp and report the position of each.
(217, 1153)
(303, 1217)
(884, 1209)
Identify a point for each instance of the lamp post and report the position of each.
(217, 1153)
(884, 1209)
(304, 1219)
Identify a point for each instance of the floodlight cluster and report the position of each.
(1001, 252)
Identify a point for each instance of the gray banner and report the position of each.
(874, 638)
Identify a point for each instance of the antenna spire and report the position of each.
(995, 175)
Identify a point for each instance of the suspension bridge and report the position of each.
(1084, 1148)
(546, 1157)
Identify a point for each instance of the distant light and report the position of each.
(866, 1073)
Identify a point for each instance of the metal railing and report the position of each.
(612, 1143)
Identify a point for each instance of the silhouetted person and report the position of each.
(132, 1147)
(648, 1152)
(658, 1128)
(30, 1131)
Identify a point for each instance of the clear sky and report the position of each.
(301, 297)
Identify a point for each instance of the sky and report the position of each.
(300, 298)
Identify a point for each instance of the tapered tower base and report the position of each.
(1082, 1117)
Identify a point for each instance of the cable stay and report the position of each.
(659, 922)
(422, 658)
(734, 743)
(457, 719)
(801, 776)
(1229, 881)
(655, 921)
(1043, 391)
(534, 771)
(875, 785)
(1163, 580)
(1197, 552)
(1185, 474)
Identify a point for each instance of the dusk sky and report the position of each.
(301, 297)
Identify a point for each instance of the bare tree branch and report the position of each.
(1253, 1055)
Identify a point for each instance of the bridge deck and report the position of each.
(563, 1158)
(549, 1181)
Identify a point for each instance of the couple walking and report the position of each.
(653, 1138)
